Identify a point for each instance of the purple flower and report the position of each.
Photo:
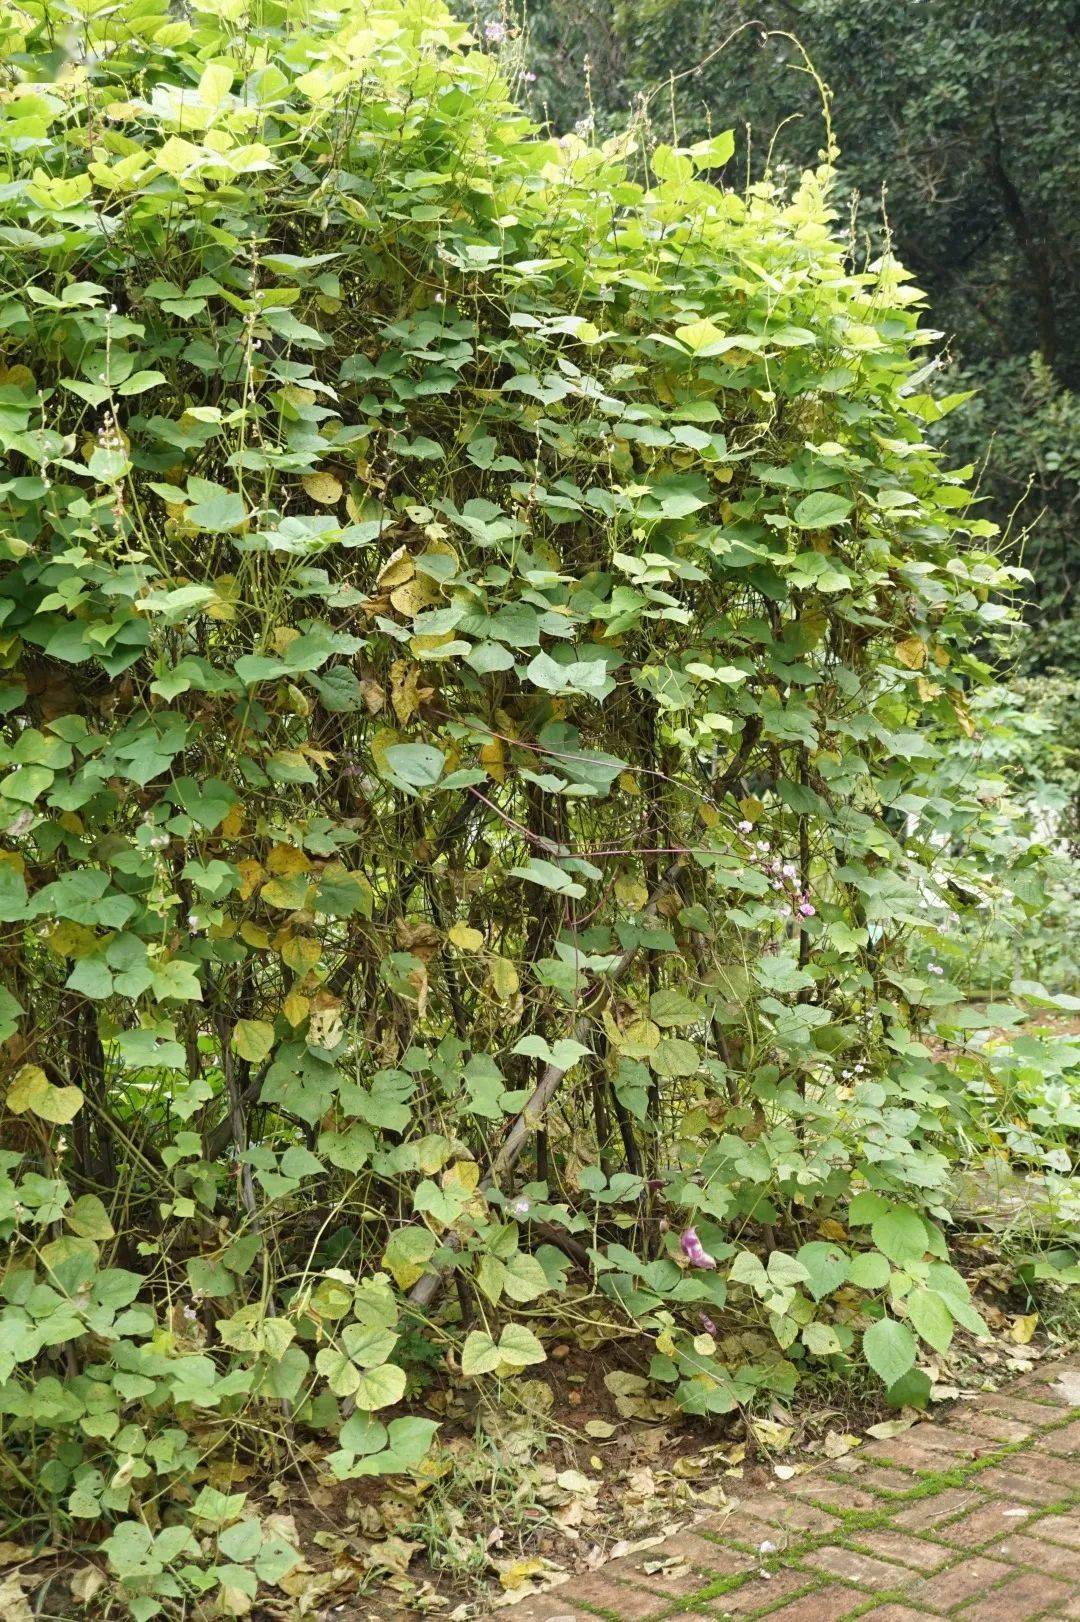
(807, 909)
(708, 1325)
(746, 827)
(495, 32)
(694, 1250)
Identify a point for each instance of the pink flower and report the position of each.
(807, 909)
(694, 1250)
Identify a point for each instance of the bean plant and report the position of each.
(485, 639)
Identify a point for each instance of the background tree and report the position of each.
(958, 128)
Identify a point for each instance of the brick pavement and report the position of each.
(975, 1518)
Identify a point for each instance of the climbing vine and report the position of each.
(482, 630)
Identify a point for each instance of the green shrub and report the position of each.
(483, 647)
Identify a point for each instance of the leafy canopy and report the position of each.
(482, 640)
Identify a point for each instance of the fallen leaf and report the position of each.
(87, 1581)
(1023, 1328)
(13, 1603)
(889, 1428)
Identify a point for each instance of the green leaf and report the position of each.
(549, 877)
(901, 1235)
(821, 509)
(931, 1318)
(826, 1267)
(418, 764)
(380, 1387)
(889, 1348)
(89, 1218)
(869, 1270)
(214, 508)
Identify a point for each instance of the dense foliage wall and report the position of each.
(958, 127)
(484, 637)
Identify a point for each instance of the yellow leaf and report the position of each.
(69, 939)
(251, 876)
(466, 938)
(960, 709)
(253, 1039)
(517, 1574)
(296, 1008)
(461, 1178)
(255, 935)
(60, 1105)
(32, 1090)
(504, 978)
(301, 953)
(406, 694)
(414, 596)
(398, 568)
(1023, 1328)
(911, 652)
(631, 890)
(493, 759)
(323, 488)
(286, 861)
(234, 822)
(29, 1085)
(279, 893)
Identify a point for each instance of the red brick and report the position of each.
(700, 1554)
(998, 1427)
(908, 1551)
(1066, 1472)
(891, 1613)
(927, 1512)
(553, 1607)
(629, 1604)
(836, 1494)
(1029, 1594)
(788, 1516)
(924, 1453)
(1030, 1489)
(762, 1590)
(1059, 1528)
(857, 1568)
(872, 1476)
(825, 1605)
(966, 1580)
(1030, 1551)
(1065, 1440)
(1042, 1386)
(991, 1520)
(1032, 1413)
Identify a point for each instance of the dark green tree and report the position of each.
(958, 127)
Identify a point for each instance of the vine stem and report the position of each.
(429, 1287)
